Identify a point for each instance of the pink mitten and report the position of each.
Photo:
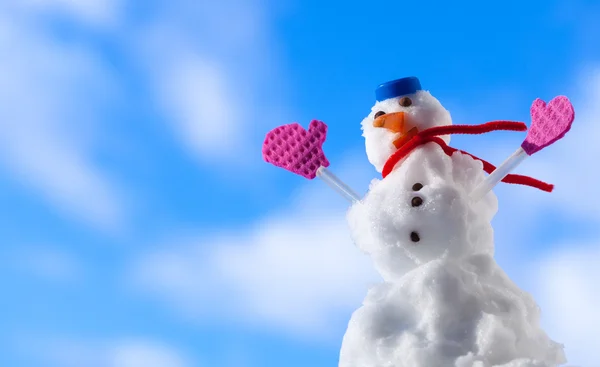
(295, 149)
(549, 123)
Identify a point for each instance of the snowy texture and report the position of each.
(425, 112)
(445, 301)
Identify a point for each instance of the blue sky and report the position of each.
(140, 226)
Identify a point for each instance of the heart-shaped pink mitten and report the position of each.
(549, 123)
(295, 149)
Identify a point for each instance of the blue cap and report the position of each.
(397, 88)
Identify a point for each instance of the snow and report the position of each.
(445, 301)
(426, 112)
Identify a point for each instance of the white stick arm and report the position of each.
(337, 184)
(497, 175)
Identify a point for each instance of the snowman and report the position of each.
(444, 300)
(427, 227)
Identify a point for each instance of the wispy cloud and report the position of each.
(565, 282)
(198, 98)
(94, 12)
(293, 271)
(50, 97)
(293, 275)
(209, 76)
(120, 352)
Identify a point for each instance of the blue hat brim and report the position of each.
(397, 88)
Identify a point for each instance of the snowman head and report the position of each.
(402, 109)
(422, 212)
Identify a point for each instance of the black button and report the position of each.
(414, 236)
(416, 201)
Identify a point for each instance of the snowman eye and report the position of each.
(379, 114)
(414, 236)
(405, 102)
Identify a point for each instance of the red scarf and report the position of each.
(432, 135)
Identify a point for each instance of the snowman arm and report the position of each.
(498, 174)
(338, 185)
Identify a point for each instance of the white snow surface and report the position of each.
(445, 301)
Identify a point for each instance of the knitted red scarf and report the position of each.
(432, 135)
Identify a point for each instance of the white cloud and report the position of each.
(565, 283)
(210, 78)
(293, 274)
(295, 271)
(91, 12)
(145, 354)
(199, 97)
(133, 352)
(205, 74)
(50, 96)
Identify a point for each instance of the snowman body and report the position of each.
(445, 301)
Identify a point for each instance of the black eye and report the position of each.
(414, 236)
(379, 114)
(405, 102)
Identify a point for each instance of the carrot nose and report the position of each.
(395, 122)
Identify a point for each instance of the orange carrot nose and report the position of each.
(397, 122)
(391, 121)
